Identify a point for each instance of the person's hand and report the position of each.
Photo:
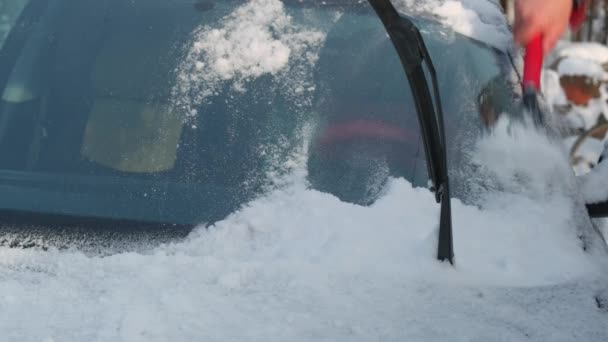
(547, 17)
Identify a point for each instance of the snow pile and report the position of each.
(298, 265)
(594, 186)
(580, 59)
(595, 52)
(258, 38)
(479, 19)
(551, 88)
(483, 20)
(595, 109)
(585, 60)
(579, 66)
(525, 161)
(595, 183)
(587, 153)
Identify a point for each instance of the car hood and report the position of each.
(299, 264)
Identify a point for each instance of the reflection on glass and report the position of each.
(88, 127)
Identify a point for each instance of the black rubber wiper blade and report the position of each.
(413, 53)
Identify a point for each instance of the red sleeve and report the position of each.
(579, 12)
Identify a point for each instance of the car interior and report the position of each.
(89, 93)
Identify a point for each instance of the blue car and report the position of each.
(126, 124)
(104, 125)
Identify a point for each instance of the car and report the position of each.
(105, 127)
(124, 125)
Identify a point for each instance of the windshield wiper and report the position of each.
(413, 53)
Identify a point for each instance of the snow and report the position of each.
(483, 20)
(579, 66)
(260, 38)
(579, 59)
(584, 50)
(480, 19)
(594, 109)
(595, 183)
(551, 88)
(589, 151)
(577, 117)
(257, 38)
(298, 264)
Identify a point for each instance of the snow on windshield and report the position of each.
(257, 38)
(483, 20)
(260, 38)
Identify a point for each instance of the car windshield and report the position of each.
(180, 111)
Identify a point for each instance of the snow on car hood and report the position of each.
(298, 264)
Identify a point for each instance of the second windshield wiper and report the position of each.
(413, 53)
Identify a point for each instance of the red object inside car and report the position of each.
(357, 129)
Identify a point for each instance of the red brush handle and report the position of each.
(533, 63)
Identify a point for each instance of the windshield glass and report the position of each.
(9, 12)
(180, 111)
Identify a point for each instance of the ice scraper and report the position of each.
(533, 63)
